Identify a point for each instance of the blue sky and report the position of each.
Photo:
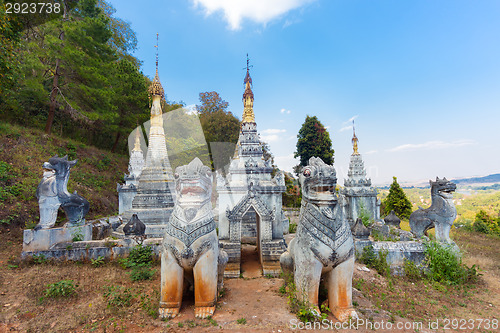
(421, 78)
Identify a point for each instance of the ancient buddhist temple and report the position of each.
(250, 204)
(358, 190)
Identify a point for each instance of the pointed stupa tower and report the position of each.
(155, 197)
(250, 207)
(358, 189)
(127, 191)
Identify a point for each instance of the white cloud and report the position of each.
(285, 111)
(260, 11)
(371, 152)
(270, 138)
(345, 128)
(286, 162)
(273, 131)
(347, 125)
(191, 109)
(432, 145)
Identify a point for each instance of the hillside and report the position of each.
(22, 153)
(494, 178)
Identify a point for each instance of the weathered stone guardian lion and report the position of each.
(53, 191)
(323, 245)
(439, 215)
(190, 249)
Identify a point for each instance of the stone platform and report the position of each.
(397, 252)
(45, 239)
(109, 249)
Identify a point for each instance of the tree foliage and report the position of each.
(397, 201)
(10, 36)
(75, 73)
(219, 125)
(313, 140)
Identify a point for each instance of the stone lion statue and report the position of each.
(323, 246)
(52, 192)
(190, 250)
(439, 215)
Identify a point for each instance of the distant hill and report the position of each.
(495, 178)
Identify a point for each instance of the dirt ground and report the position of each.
(251, 303)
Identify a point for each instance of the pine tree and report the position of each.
(397, 201)
(313, 140)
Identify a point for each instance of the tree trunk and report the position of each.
(53, 95)
(55, 84)
(118, 135)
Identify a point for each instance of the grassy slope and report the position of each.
(22, 153)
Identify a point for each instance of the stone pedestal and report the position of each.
(45, 239)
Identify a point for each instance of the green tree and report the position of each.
(219, 125)
(131, 99)
(397, 201)
(211, 102)
(10, 35)
(313, 140)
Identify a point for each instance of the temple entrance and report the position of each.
(251, 256)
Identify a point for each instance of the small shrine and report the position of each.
(250, 204)
(127, 191)
(358, 190)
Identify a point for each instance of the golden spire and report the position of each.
(155, 88)
(354, 141)
(248, 115)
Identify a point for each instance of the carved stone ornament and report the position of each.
(439, 215)
(323, 245)
(190, 246)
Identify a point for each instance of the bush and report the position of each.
(292, 228)
(443, 264)
(365, 215)
(118, 296)
(412, 271)
(484, 223)
(141, 273)
(64, 288)
(139, 256)
(140, 260)
(376, 261)
(97, 262)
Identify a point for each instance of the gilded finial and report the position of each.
(248, 115)
(354, 141)
(156, 88)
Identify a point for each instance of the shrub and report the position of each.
(484, 223)
(241, 321)
(139, 256)
(364, 215)
(412, 271)
(141, 273)
(97, 262)
(39, 259)
(64, 288)
(376, 261)
(118, 296)
(443, 264)
(292, 228)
